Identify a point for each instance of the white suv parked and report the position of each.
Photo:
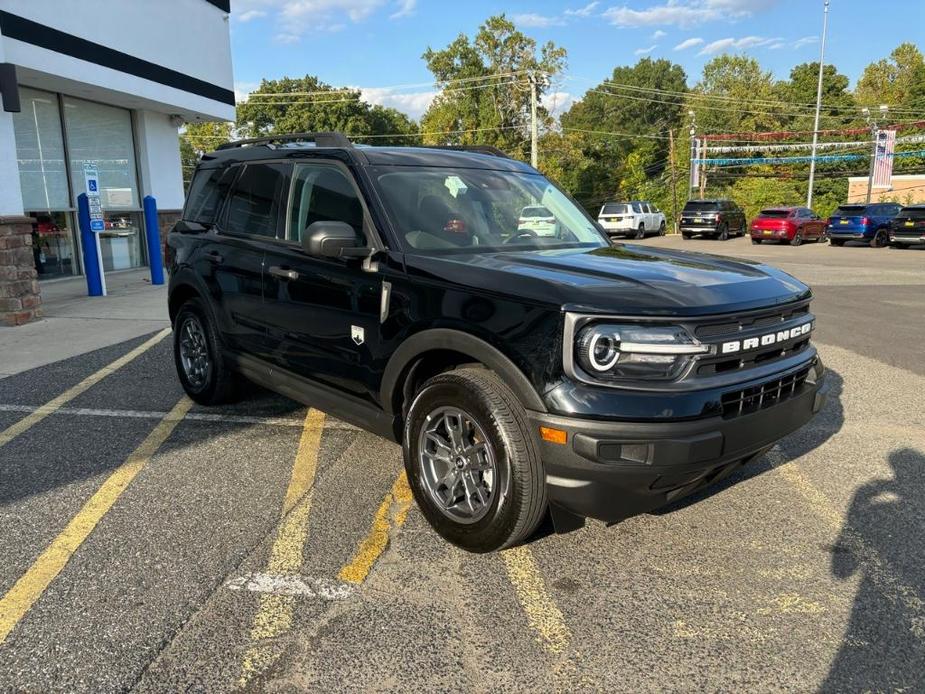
(636, 219)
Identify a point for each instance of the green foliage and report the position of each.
(496, 111)
(307, 104)
(198, 138)
(897, 81)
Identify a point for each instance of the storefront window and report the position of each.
(103, 135)
(53, 244)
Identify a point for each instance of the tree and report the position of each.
(307, 104)
(741, 81)
(897, 81)
(486, 93)
(839, 108)
(198, 138)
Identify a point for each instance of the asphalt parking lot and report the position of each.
(152, 545)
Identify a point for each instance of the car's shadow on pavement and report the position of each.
(881, 543)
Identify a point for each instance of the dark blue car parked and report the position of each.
(869, 223)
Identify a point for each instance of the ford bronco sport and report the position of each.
(392, 287)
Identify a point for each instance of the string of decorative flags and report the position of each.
(752, 161)
(788, 134)
(788, 146)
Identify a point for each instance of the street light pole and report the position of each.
(812, 161)
(534, 127)
(875, 133)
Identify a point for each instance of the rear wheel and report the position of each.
(661, 229)
(723, 232)
(686, 235)
(641, 231)
(837, 242)
(472, 462)
(797, 239)
(881, 239)
(198, 356)
(757, 242)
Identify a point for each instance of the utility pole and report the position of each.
(693, 132)
(674, 187)
(703, 169)
(534, 128)
(875, 132)
(812, 161)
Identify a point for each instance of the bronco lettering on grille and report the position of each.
(765, 340)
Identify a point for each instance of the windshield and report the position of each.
(441, 210)
(615, 208)
(698, 206)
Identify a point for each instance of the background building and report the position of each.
(908, 189)
(110, 83)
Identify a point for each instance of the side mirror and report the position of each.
(330, 240)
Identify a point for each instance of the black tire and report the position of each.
(881, 238)
(519, 501)
(722, 234)
(661, 229)
(797, 239)
(641, 231)
(220, 384)
(686, 235)
(837, 242)
(757, 242)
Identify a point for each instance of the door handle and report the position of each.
(214, 257)
(283, 273)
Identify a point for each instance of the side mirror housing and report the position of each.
(330, 240)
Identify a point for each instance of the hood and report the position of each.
(623, 279)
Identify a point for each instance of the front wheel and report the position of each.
(198, 356)
(472, 462)
(881, 239)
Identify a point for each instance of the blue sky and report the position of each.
(377, 44)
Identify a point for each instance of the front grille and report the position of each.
(749, 323)
(748, 400)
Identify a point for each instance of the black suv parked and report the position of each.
(715, 218)
(907, 228)
(391, 287)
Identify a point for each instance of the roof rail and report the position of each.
(480, 149)
(323, 139)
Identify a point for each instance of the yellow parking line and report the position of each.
(377, 540)
(542, 612)
(20, 598)
(274, 615)
(51, 406)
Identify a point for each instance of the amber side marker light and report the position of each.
(553, 435)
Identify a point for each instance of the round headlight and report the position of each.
(603, 351)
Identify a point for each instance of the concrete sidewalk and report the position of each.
(74, 323)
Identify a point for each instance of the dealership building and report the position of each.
(106, 84)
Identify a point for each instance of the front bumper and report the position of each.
(612, 470)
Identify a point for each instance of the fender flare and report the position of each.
(457, 341)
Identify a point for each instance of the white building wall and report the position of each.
(10, 191)
(158, 146)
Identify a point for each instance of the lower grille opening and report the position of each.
(760, 397)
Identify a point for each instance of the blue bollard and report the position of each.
(89, 241)
(153, 234)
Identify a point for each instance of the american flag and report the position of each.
(883, 161)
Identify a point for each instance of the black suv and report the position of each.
(391, 287)
(715, 218)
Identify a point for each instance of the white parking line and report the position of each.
(291, 584)
(192, 416)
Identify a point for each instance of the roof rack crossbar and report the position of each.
(479, 149)
(322, 139)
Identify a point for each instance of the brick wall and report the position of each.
(20, 299)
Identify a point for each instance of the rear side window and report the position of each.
(637, 207)
(206, 193)
(253, 207)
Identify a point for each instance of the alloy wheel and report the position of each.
(458, 464)
(194, 353)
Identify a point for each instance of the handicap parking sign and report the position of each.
(93, 186)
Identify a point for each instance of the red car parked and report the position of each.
(787, 224)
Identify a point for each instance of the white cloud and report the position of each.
(249, 15)
(405, 9)
(644, 51)
(242, 90)
(583, 11)
(685, 13)
(531, 19)
(286, 38)
(805, 41)
(740, 43)
(412, 103)
(659, 34)
(688, 43)
(558, 102)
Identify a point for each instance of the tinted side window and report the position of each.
(206, 193)
(253, 207)
(637, 207)
(323, 193)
